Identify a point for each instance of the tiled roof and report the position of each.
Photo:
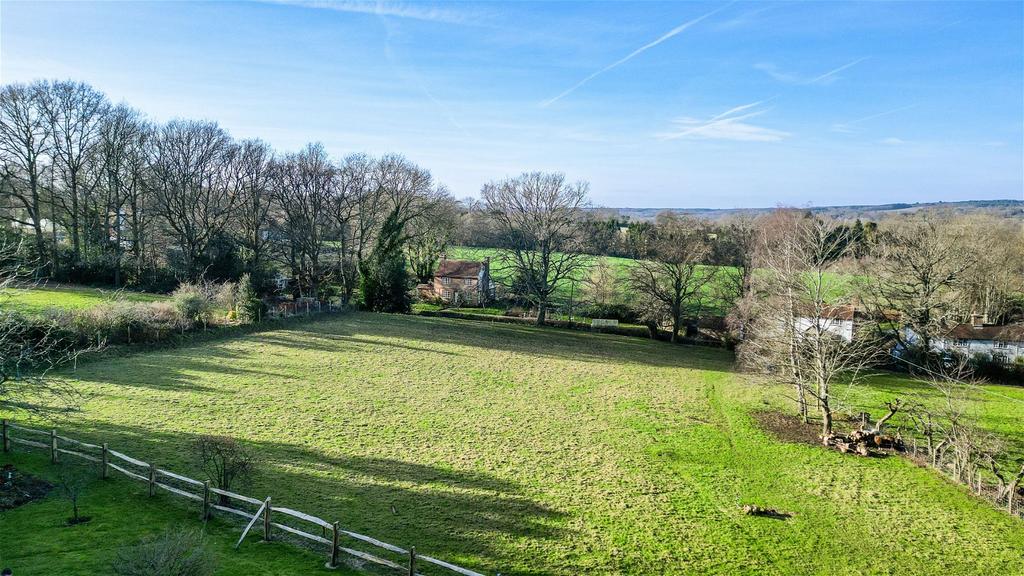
(458, 269)
(1008, 333)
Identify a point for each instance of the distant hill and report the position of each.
(1006, 208)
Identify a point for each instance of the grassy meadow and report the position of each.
(840, 284)
(38, 299)
(525, 451)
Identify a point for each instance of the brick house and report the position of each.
(460, 282)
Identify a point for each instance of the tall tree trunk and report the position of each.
(542, 312)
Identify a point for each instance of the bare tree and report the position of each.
(994, 282)
(303, 187)
(537, 216)
(252, 175)
(674, 274)
(121, 161)
(916, 271)
(75, 112)
(355, 208)
(796, 334)
(192, 186)
(225, 462)
(603, 287)
(736, 248)
(25, 141)
(73, 479)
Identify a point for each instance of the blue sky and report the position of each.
(688, 104)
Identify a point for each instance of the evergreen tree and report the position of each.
(249, 306)
(385, 279)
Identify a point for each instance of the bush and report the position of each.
(996, 369)
(193, 303)
(173, 553)
(621, 312)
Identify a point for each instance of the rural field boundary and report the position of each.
(212, 499)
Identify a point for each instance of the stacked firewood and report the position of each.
(865, 442)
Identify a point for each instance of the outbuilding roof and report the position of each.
(1007, 333)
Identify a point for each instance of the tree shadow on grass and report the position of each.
(172, 369)
(467, 517)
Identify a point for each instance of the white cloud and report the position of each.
(729, 125)
(892, 141)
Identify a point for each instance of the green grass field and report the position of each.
(840, 284)
(38, 299)
(34, 539)
(521, 450)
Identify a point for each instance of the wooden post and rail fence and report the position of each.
(406, 561)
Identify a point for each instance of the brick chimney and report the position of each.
(977, 320)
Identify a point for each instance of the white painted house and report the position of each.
(839, 320)
(1004, 343)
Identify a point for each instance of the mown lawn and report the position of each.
(38, 299)
(35, 540)
(519, 450)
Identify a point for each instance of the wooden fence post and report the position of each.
(206, 500)
(53, 445)
(104, 460)
(152, 479)
(412, 561)
(266, 520)
(334, 546)
(6, 442)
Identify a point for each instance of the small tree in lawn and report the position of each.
(226, 462)
(72, 479)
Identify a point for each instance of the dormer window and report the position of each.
(446, 280)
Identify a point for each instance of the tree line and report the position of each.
(101, 194)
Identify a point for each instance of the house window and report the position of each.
(960, 342)
(446, 280)
(1002, 344)
(446, 293)
(470, 281)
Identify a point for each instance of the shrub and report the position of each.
(173, 553)
(193, 303)
(225, 461)
(226, 295)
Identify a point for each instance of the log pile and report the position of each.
(865, 442)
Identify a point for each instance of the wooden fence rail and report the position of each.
(331, 532)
